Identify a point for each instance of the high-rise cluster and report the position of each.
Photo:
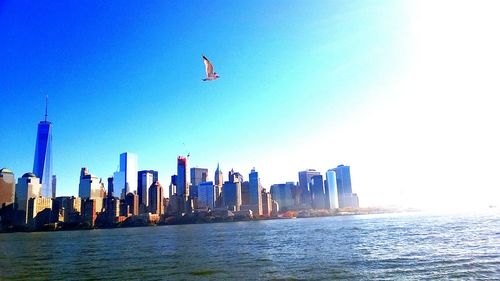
(134, 196)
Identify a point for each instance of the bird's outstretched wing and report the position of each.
(209, 69)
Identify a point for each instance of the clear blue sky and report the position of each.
(300, 83)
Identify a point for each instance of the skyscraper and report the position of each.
(331, 191)
(156, 198)
(172, 188)
(42, 165)
(317, 192)
(343, 179)
(27, 187)
(145, 179)
(231, 191)
(218, 177)
(198, 175)
(182, 179)
(218, 182)
(283, 194)
(54, 186)
(255, 192)
(110, 187)
(245, 193)
(304, 181)
(7, 187)
(347, 199)
(125, 180)
(206, 195)
(90, 185)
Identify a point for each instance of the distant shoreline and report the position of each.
(196, 218)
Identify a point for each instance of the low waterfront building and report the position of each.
(7, 188)
(90, 209)
(28, 186)
(275, 208)
(39, 211)
(132, 202)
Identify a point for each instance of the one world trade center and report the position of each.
(42, 166)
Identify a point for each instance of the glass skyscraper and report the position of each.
(198, 175)
(283, 194)
(125, 180)
(145, 179)
(347, 199)
(331, 189)
(255, 200)
(304, 190)
(343, 179)
(42, 165)
(182, 177)
(206, 195)
(317, 192)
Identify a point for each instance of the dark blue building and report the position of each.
(42, 165)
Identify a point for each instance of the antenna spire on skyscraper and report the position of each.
(46, 106)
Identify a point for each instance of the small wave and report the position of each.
(205, 272)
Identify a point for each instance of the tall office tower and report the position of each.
(343, 179)
(206, 195)
(54, 186)
(245, 193)
(110, 187)
(90, 185)
(182, 179)
(317, 190)
(235, 176)
(198, 175)
(156, 198)
(218, 182)
(255, 192)
(283, 194)
(231, 192)
(172, 188)
(27, 187)
(7, 188)
(218, 177)
(145, 179)
(331, 192)
(303, 190)
(344, 188)
(118, 184)
(128, 165)
(42, 165)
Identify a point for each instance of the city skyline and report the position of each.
(373, 85)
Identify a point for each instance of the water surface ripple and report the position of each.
(412, 246)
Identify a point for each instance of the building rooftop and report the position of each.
(29, 175)
(5, 171)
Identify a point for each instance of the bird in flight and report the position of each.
(211, 75)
